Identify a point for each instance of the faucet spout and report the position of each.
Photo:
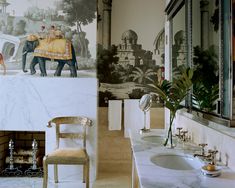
(202, 156)
(198, 155)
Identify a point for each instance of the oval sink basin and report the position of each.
(176, 162)
(153, 139)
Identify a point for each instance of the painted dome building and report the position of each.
(131, 53)
(130, 37)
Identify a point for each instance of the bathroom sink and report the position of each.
(176, 161)
(153, 139)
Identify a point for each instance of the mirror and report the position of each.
(205, 45)
(145, 102)
(178, 49)
(201, 35)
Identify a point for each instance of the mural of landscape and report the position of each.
(125, 70)
(48, 38)
(135, 57)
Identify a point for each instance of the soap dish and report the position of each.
(214, 173)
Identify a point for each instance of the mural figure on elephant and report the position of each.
(59, 49)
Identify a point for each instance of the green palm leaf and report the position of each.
(173, 93)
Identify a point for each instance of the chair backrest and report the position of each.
(70, 120)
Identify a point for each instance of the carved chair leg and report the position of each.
(45, 172)
(56, 173)
(84, 173)
(87, 173)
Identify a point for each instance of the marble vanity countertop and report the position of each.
(153, 176)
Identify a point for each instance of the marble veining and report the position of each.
(37, 183)
(152, 176)
(28, 103)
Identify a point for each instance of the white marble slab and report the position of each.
(29, 103)
(152, 176)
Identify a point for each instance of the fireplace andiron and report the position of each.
(34, 170)
(11, 170)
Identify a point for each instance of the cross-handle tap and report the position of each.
(202, 145)
(179, 135)
(212, 156)
(184, 138)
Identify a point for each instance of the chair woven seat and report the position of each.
(74, 155)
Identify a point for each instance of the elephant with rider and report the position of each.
(60, 50)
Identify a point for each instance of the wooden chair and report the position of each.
(68, 156)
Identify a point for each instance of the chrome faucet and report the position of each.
(202, 154)
(212, 156)
(182, 135)
(179, 135)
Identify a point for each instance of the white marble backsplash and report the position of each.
(214, 138)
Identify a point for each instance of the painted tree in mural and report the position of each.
(106, 59)
(142, 76)
(19, 28)
(79, 13)
(8, 28)
(124, 73)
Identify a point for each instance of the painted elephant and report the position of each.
(33, 45)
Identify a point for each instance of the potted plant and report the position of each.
(173, 93)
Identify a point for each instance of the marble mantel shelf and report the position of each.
(151, 176)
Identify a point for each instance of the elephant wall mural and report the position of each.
(46, 19)
(57, 49)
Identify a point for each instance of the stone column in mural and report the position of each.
(107, 8)
(204, 6)
(3, 4)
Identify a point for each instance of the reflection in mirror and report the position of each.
(179, 49)
(206, 27)
(178, 44)
(205, 42)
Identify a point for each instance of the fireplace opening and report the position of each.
(21, 153)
